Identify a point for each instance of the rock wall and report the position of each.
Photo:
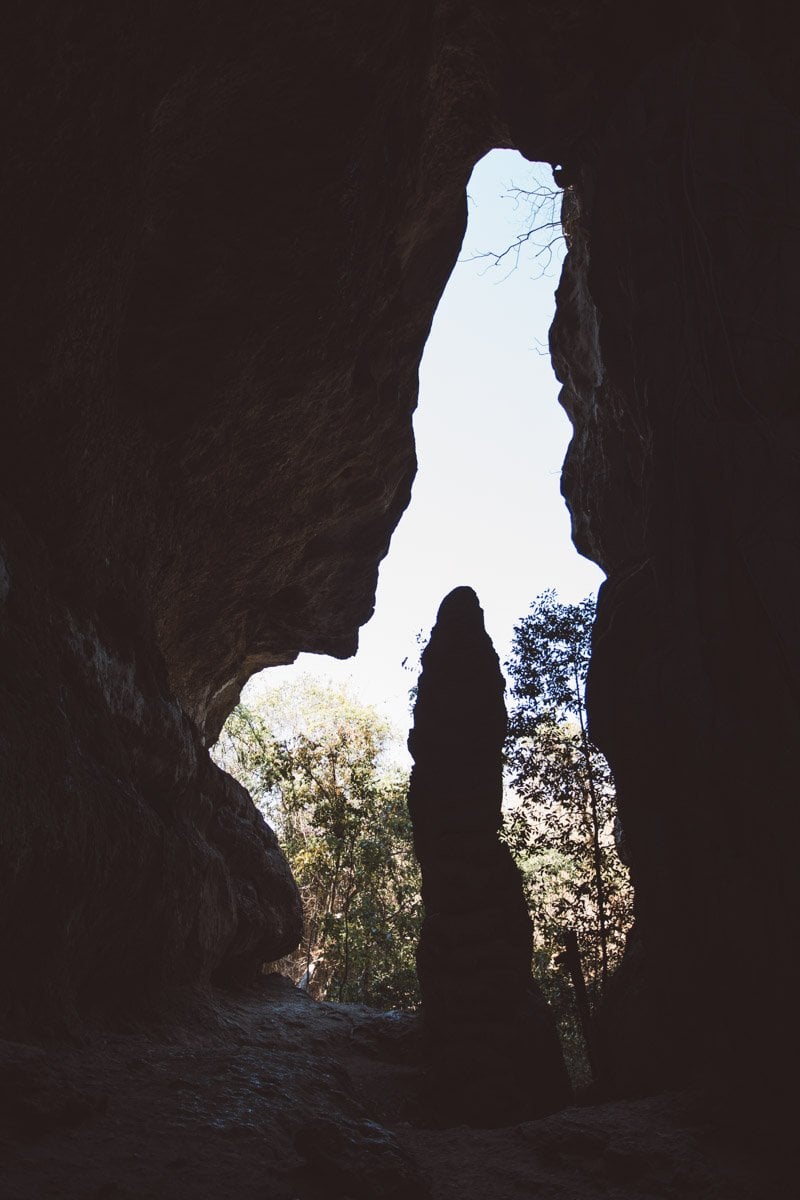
(675, 340)
(133, 869)
(225, 232)
(492, 1041)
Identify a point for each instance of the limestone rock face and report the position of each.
(225, 231)
(142, 869)
(675, 337)
(495, 1055)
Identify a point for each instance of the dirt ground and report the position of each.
(276, 1096)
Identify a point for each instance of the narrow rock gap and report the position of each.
(225, 232)
(486, 508)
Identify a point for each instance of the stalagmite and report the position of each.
(493, 1047)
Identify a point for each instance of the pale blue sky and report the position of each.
(486, 508)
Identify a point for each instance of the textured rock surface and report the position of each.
(495, 1056)
(675, 338)
(225, 230)
(287, 1099)
(131, 865)
(226, 233)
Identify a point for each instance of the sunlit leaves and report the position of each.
(561, 829)
(316, 761)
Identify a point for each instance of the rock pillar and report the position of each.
(493, 1047)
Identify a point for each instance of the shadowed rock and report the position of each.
(495, 1055)
(225, 230)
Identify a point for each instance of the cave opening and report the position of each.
(320, 743)
(486, 506)
(226, 230)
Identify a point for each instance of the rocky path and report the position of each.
(276, 1096)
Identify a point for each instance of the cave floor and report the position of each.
(275, 1095)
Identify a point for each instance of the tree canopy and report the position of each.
(317, 762)
(562, 827)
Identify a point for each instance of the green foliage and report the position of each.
(562, 829)
(316, 762)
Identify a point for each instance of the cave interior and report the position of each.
(226, 230)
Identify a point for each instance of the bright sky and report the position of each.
(486, 509)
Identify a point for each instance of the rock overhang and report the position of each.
(227, 234)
